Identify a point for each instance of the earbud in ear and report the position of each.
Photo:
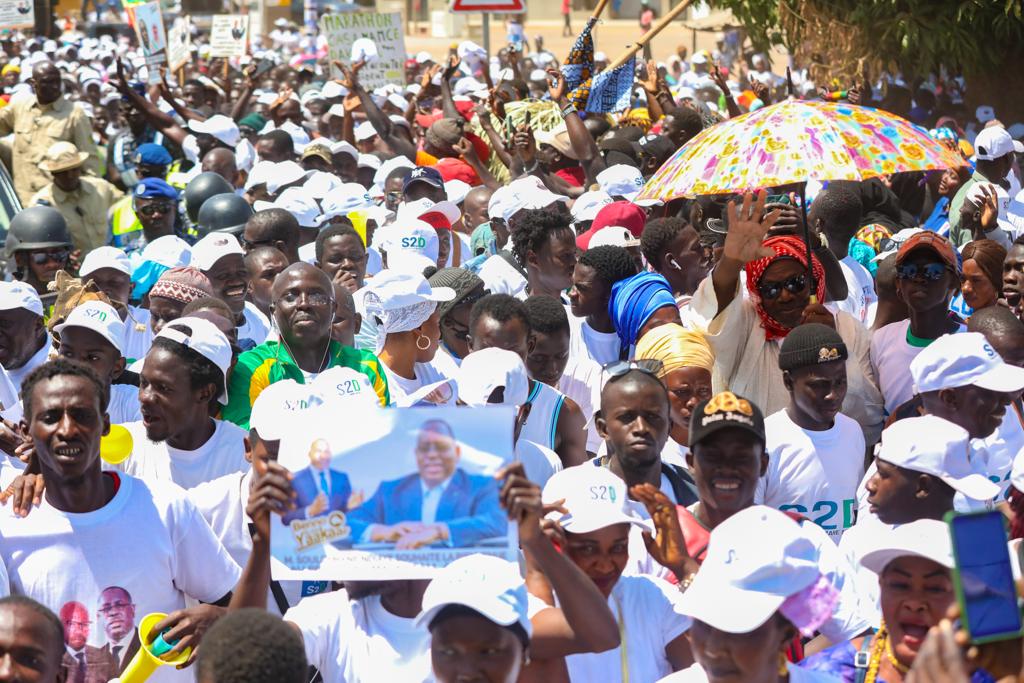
(672, 262)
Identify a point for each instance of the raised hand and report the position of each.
(557, 87)
(451, 68)
(650, 83)
(747, 228)
(668, 545)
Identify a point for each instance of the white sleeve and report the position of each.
(203, 569)
(669, 620)
(729, 331)
(848, 619)
(320, 619)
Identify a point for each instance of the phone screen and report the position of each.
(985, 577)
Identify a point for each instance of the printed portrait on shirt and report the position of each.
(415, 488)
(83, 662)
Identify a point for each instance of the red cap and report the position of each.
(622, 213)
(451, 168)
(929, 240)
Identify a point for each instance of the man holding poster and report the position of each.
(439, 505)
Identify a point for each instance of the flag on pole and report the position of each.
(606, 92)
(579, 65)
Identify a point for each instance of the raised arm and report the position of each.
(483, 115)
(743, 243)
(161, 121)
(730, 103)
(242, 103)
(447, 101)
(377, 118)
(583, 145)
(650, 86)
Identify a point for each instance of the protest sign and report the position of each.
(386, 32)
(148, 22)
(178, 44)
(229, 35)
(16, 14)
(407, 493)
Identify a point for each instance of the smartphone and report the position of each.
(262, 67)
(983, 576)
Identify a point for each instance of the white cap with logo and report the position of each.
(17, 294)
(483, 583)
(937, 447)
(411, 235)
(212, 248)
(588, 204)
(595, 499)
(205, 339)
(99, 317)
(957, 360)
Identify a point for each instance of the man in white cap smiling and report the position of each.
(221, 258)
(24, 342)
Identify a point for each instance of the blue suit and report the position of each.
(307, 487)
(469, 507)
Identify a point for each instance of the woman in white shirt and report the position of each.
(408, 330)
(686, 362)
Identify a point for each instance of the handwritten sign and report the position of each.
(386, 32)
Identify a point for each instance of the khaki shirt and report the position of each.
(36, 127)
(85, 209)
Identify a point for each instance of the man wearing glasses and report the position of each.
(118, 613)
(155, 204)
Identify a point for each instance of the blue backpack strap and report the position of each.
(862, 659)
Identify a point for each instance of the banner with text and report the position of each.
(386, 32)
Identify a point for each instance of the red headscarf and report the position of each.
(786, 246)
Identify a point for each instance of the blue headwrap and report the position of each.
(633, 302)
(144, 277)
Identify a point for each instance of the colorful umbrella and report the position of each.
(795, 141)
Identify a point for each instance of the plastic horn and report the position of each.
(144, 663)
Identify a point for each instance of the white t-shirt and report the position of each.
(647, 610)
(861, 288)
(254, 328)
(223, 453)
(222, 503)
(402, 388)
(994, 455)
(858, 541)
(148, 540)
(586, 342)
(675, 453)
(18, 375)
(695, 674)
(501, 277)
(581, 381)
(359, 641)
(124, 404)
(138, 336)
(814, 473)
(891, 354)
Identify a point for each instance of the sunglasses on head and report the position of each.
(929, 271)
(648, 366)
(154, 208)
(41, 257)
(772, 290)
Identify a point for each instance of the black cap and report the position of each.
(424, 174)
(722, 411)
(811, 344)
(655, 146)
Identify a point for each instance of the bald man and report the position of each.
(37, 122)
(302, 302)
(221, 161)
(474, 208)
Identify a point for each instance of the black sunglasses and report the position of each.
(932, 272)
(772, 290)
(618, 368)
(41, 257)
(162, 208)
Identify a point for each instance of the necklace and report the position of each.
(891, 656)
(881, 645)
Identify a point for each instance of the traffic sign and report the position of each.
(499, 6)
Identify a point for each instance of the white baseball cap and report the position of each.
(587, 205)
(333, 89)
(484, 371)
(388, 166)
(394, 290)
(613, 236)
(456, 190)
(528, 193)
(283, 173)
(260, 173)
(927, 538)
(365, 131)
(368, 161)
(298, 201)
(409, 262)
(623, 180)
(937, 447)
(212, 248)
(595, 499)
(99, 317)
(343, 147)
(169, 250)
(206, 340)
(500, 202)
(957, 360)
(422, 207)
(319, 184)
(483, 583)
(17, 294)
(219, 126)
(756, 559)
(411, 235)
(995, 142)
(279, 404)
(298, 134)
(105, 257)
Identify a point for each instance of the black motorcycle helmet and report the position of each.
(201, 188)
(226, 212)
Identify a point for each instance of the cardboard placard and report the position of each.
(229, 35)
(387, 33)
(148, 22)
(179, 44)
(16, 14)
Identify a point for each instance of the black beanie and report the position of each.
(811, 344)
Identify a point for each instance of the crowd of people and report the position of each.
(734, 450)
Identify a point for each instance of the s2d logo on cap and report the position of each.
(602, 493)
(414, 243)
(989, 351)
(97, 315)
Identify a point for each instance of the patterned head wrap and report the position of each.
(184, 284)
(676, 347)
(786, 246)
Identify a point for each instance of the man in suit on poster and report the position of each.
(118, 613)
(319, 489)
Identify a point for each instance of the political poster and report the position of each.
(385, 30)
(16, 14)
(178, 44)
(408, 492)
(148, 22)
(229, 35)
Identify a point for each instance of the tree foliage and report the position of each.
(914, 36)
